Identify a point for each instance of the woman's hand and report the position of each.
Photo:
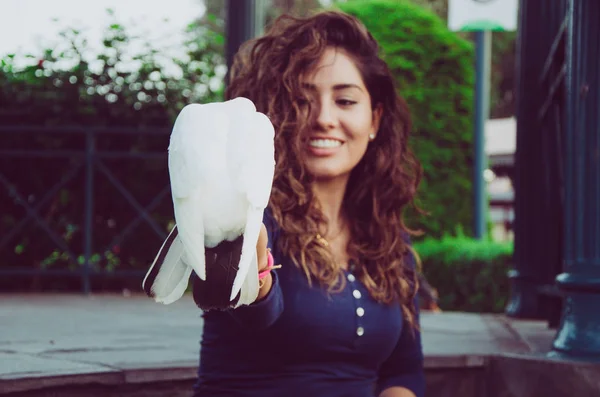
(261, 253)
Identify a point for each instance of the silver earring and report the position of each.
(371, 136)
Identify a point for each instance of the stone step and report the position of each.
(111, 345)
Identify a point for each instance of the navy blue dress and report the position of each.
(301, 341)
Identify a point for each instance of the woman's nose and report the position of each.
(326, 118)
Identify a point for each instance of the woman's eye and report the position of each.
(345, 102)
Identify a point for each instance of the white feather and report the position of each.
(251, 167)
(173, 275)
(251, 155)
(221, 166)
(179, 288)
(249, 290)
(248, 258)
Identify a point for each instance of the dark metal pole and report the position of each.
(482, 95)
(89, 209)
(523, 301)
(243, 22)
(579, 334)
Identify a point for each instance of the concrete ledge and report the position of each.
(512, 375)
(457, 361)
(154, 389)
(63, 343)
(172, 374)
(20, 382)
(8, 386)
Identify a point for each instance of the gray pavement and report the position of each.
(53, 340)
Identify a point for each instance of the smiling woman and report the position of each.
(345, 122)
(339, 317)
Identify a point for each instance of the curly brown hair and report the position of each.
(268, 71)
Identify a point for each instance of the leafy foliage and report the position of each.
(502, 92)
(131, 98)
(434, 72)
(470, 275)
(71, 84)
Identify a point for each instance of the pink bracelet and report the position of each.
(270, 266)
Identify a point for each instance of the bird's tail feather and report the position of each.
(253, 223)
(249, 291)
(191, 233)
(168, 277)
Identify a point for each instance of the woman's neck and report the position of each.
(330, 195)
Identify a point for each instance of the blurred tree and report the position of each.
(71, 88)
(440, 7)
(215, 10)
(295, 7)
(68, 85)
(115, 86)
(437, 82)
(502, 102)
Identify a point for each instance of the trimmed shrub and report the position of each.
(434, 72)
(469, 275)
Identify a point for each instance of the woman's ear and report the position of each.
(376, 122)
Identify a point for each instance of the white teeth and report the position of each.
(325, 143)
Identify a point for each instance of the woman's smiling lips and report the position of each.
(324, 146)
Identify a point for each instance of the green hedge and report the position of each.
(434, 71)
(128, 82)
(469, 275)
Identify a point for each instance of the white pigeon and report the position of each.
(221, 167)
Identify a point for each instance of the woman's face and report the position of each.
(344, 117)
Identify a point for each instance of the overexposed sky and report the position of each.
(26, 25)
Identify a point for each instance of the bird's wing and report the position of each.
(249, 290)
(181, 154)
(251, 153)
(168, 277)
(251, 162)
(189, 163)
(248, 267)
(188, 216)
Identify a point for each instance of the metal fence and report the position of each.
(580, 278)
(557, 165)
(539, 158)
(96, 170)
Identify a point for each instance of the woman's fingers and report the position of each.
(261, 247)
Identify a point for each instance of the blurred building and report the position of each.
(500, 144)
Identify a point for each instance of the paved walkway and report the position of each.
(52, 340)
